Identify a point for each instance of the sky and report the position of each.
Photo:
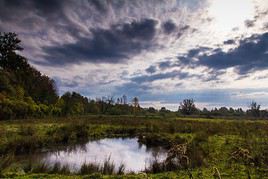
(162, 51)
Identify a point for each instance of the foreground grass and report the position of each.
(211, 143)
(206, 174)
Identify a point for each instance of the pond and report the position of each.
(128, 151)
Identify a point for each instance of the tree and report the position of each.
(9, 42)
(223, 111)
(74, 103)
(152, 110)
(18, 72)
(135, 103)
(6, 86)
(187, 107)
(163, 110)
(255, 109)
(118, 101)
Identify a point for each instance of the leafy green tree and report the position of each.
(152, 110)
(136, 105)
(135, 102)
(187, 107)
(255, 109)
(92, 107)
(163, 110)
(74, 103)
(6, 86)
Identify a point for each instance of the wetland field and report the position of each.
(99, 146)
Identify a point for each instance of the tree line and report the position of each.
(188, 107)
(25, 92)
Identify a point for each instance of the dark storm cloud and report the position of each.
(251, 55)
(45, 8)
(184, 29)
(151, 69)
(229, 42)
(142, 30)
(106, 45)
(37, 18)
(188, 58)
(212, 75)
(134, 89)
(160, 76)
(164, 65)
(259, 16)
(196, 51)
(57, 32)
(169, 27)
(250, 23)
(100, 5)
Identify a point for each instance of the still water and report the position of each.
(127, 151)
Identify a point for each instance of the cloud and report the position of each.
(169, 27)
(196, 52)
(133, 89)
(165, 65)
(160, 76)
(151, 69)
(229, 42)
(57, 33)
(251, 95)
(265, 25)
(250, 23)
(106, 45)
(100, 5)
(49, 9)
(249, 56)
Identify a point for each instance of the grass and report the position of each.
(210, 145)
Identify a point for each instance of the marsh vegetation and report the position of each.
(195, 147)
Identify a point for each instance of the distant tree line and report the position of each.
(187, 107)
(25, 92)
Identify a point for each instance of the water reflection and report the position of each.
(126, 151)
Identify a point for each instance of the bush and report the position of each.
(13, 109)
(152, 140)
(70, 133)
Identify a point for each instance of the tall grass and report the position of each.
(89, 168)
(5, 162)
(108, 167)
